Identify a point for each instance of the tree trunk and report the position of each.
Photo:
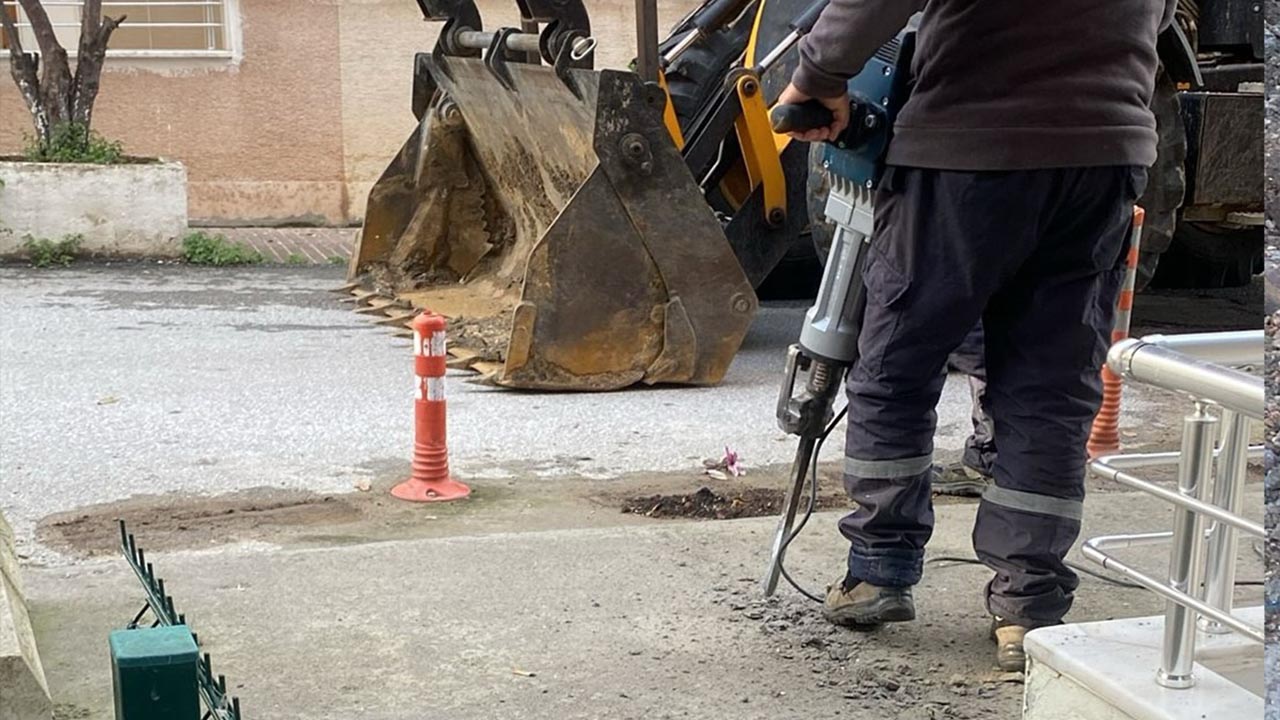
(95, 33)
(24, 68)
(53, 94)
(55, 80)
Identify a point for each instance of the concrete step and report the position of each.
(24, 692)
(1107, 671)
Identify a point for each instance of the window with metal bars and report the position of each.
(160, 28)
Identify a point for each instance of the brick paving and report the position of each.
(295, 245)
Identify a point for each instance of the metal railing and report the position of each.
(1201, 580)
(65, 19)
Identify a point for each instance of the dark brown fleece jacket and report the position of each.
(1005, 84)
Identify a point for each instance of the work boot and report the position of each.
(865, 605)
(958, 479)
(1008, 636)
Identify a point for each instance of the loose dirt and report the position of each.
(292, 518)
(710, 505)
(181, 521)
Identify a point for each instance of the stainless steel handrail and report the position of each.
(1094, 550)
(1186, 364)
(1240, 347)
(1102, 470)
(1172, 370)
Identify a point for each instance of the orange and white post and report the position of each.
(430, 481)
(1104, 437)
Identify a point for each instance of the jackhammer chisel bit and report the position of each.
(828, 347)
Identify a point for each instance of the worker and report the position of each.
(1007, 199)
(971, 474)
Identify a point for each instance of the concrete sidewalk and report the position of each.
(295, 245)
(656, 621)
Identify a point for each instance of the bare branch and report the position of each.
(42, 28)
(94, 38)
(90, 17)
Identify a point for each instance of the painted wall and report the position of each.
(301, 126)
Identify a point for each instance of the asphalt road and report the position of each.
(142, 379)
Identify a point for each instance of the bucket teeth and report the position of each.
(487, 373)
(360, 297)
(399, 318)
(381, 304)
(462, 358)
(346, 289)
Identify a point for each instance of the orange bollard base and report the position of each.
(430, 481)
(430, 490)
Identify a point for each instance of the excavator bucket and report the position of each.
(547, 213)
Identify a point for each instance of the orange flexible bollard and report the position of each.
(429, 481)
(1104, 436)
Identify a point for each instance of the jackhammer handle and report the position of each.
(808, 115)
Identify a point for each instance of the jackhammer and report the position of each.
(828, 346)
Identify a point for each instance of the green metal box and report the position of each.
(153, 671)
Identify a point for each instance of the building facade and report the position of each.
(284, 111)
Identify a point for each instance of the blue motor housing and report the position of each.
(877, 94)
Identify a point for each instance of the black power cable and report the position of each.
(813, 503)
(950, 559)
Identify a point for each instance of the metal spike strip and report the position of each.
(214, 693)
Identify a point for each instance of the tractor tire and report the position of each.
(1166, 180)
(1210, 256)
(694, 77)
(692, 80)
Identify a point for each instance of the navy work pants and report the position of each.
(1036, 256)
(980, 448)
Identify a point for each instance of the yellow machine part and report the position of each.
(669, 118)
(760, 149)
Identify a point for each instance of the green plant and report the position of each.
(337, 260)
(43, 252)
(74, 143)
(295, 259)
(201, 248)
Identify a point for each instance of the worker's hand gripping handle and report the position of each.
(808, 115)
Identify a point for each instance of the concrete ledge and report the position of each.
(1106, 671)
(24, 692)
(127, 210)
